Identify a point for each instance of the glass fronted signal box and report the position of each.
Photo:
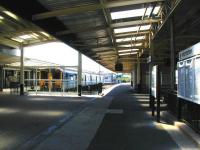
(189, 74)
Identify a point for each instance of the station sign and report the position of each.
(190, 52)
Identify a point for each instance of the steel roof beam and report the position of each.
(87, 29)
(129, 42)
(85, 8)
(121, 35)
(127, 48)
(9, 43)
(113, 25)
(107, 52)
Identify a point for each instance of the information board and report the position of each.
(181, 79)
(197, 80)
(189, 74)
(153, 81)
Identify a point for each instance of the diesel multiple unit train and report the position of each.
(54, 79)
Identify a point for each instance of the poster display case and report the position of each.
(189, 74)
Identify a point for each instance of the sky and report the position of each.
(60, 53)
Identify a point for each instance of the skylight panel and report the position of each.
(130, 45)
(132, 29)
(127, 13)
(130, 39)
(156, 10)
(129, 29)
(25, 37)
(140, 37)
(128, 50)
(127, 45)
(124, 39)
(145, 27)
(123, 54)
(138, 44)
(148, 12)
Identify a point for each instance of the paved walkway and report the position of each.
(133, 128)
(119, 121)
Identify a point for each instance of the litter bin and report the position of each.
(100, 88)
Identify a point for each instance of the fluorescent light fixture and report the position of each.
(130, 39)
(25, 37)
(11, 15)
(1, 17)
(122, 54)
(127, 13)
(128, 50)
(46, 34)
(35, 35)
(156, 10)
(17, 39)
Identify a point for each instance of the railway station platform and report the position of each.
(120, 120)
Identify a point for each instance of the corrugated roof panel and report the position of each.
(59, 4)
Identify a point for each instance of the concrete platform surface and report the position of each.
(28, 120)
(121, 120)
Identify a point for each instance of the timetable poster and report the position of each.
(189, 79)
(181, 79)
(153, 81)
(197, 81)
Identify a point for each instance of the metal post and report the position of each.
(172, 47)
(158, 93)
(22, 70)
(150, 73)
(132, 79)
(153, 105)
(36, 81)
(50, 81)
(79, 86)
(63, 81)
(179, 116)
(99, 75)
(1, 78)
(29, 78)
(138, 73)
(33, 79)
